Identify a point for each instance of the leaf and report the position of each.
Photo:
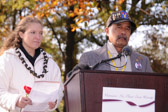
(163, 7)
(94, 4)
(3, 2)
(27, 3)
(120, 1)
(82, 5)
(86, 24)
(42, 15)
(55, 3)
(79, 21)
(47, 1)
(76, 10)
(71, 14)
(2, 18)
(46, 6)
(73, 29)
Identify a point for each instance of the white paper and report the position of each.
(42, 92)
(128, 100)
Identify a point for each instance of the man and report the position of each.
(119, 27)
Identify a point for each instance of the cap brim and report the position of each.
(133, 25)
(120, 21)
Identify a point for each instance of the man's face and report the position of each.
(119, 34)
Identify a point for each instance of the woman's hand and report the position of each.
(23, 101)
(52, 104)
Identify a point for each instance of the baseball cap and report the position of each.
(118, 17)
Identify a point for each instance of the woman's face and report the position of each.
(32, 37)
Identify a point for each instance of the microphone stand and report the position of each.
(106, 60)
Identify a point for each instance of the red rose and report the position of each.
(27, 90)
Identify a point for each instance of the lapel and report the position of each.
(137, 62)
(102, 55)
(102, 52)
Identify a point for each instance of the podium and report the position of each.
(83, 90)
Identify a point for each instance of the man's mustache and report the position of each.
(122, 36)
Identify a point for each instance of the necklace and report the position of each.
(29, 68)
(114, 62)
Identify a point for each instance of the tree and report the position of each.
(155, 15)
(10, 11)
(155, 47)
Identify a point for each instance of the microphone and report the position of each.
(79, 66)
(106, 60)
(126, 51)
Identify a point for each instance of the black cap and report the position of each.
(118, 17)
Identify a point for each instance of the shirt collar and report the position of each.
(29, 57)
(111, 48)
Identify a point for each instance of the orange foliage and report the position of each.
(55, 3)
(47, 1)
(120, 1)
(82, 9)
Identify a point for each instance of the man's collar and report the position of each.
(111, 48)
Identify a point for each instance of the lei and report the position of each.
(29, 68)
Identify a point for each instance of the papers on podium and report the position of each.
(128, 100)
(42, 92)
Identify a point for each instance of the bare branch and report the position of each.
(55, 34)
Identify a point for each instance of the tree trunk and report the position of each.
(70, 46)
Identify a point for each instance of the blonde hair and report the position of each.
(14, 40)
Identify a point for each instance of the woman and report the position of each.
(22, 62)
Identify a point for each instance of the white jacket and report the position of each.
(14, 76)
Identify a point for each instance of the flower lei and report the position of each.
(29, 68)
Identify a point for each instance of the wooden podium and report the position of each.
(83, 90)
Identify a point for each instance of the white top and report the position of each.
(120, 61)
(14, 76)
